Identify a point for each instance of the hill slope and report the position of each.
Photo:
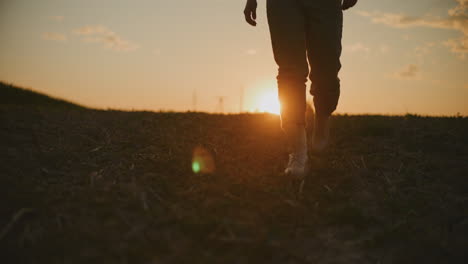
(10, 94)
(88, 186)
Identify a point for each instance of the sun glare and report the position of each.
(268, 102)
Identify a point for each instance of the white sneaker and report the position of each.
(321, 135)
(296, 165)
(297, 143)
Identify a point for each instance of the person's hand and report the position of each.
(250, 12)
(348, 4)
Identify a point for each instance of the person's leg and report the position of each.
(324, 23)
(288, 38)
(287, 30)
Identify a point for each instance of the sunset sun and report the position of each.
(268, 102)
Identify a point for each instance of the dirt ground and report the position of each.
(88, 186)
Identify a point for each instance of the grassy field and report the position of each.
(88, 186)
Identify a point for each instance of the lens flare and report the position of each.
(196, 166)
(202, 161)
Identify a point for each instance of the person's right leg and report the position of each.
(287, 30)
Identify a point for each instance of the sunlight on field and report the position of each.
(268, 102)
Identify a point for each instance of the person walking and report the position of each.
(305, 33)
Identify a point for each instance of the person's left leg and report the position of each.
(324, 22)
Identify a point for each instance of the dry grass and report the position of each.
(88, 186)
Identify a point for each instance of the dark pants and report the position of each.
(306, 33)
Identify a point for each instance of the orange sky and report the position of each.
(399, 56)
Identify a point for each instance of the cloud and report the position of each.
(384, 48)
(424, 49)
(409, 72)
(357, 47)
(459, 46)
(54, 36)
(460, 9)
(457, 19)
(105, 36)
(251, 52)
(57, 18)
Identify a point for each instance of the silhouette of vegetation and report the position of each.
(90, 186)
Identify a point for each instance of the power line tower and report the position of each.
(220, 105)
